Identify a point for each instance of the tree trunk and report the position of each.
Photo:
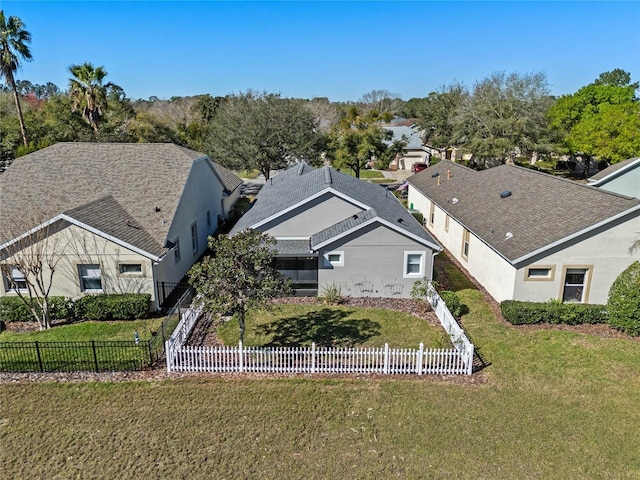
(241, 324)
(23, 130)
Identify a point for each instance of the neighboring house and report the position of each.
(526, 235)
(332, 228)
(122, 217)
(414, 151)
(622, 178)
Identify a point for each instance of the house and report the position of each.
(622, 178)
(526, 235)
(120, 217)
(334, 229)
(414, 151)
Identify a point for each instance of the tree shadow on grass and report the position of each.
(326, 327)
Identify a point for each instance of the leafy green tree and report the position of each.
(436, 113)
(357, 140)
(505, 116)
(623, 305)
(601, 120)
(263, 132)
(88, 92)
(14, 40)
(238, 275)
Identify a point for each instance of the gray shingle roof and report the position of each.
(301, 182)
(66, 176)
(413, 138)
(541, 210)
(293, 247)
(615, 168)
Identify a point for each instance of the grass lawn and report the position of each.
(550, 404)
(87, 331)
(364, 174)
(296, 325)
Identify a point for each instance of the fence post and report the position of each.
(39, 357)
(470, 360)
(420, 357)
(95, 356)
(150, 354)
(313, 357)
(386, 358)
(240, 357)
(168, 356)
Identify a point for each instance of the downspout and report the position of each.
(155, 284)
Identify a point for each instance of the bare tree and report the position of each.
(29, 262)
(381, 102)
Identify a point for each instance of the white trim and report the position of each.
(329, 263)
(617, 173)
(84, 226)
(405, 264)
(309, 199)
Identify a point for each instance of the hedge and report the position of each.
(125, 306)
(13, 309)
(624, 301)
(452, 301)
(522, 313)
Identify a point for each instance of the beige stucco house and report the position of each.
(334, 229)
(113, 217)
(526, 235)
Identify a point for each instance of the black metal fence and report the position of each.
(92, 356)
(169, 293)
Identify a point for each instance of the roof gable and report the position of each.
(614, 171)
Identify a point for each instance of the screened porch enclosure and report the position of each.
(303, 273)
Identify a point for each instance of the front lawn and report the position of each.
(364, 174)
(87, 331)
(296, 325)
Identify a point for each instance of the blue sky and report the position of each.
(333, 49)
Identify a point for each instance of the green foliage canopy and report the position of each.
(623, 304)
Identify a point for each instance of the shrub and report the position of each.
(624, 301)
(419, 217)
(125, 306)
(13, 309)
(554, 311)
(452, 301)
(332, 294)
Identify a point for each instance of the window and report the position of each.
(16, 281)
(575, 282)
(446, 223)
(130, 268)
(208, 219)
(194, 238)
(540, 273)
(176, 250)
(432, 213)
(334, 259)
(466, 236)
(413, 264)
(90, 278)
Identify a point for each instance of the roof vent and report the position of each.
(327, 176)
(400, 220)
(157, 209)
(454, 201)
(300, 168)
(435, 174)
(355, 217)
(508, 236)
(505, 194)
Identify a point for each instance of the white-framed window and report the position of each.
(575, 285)
(176, 250)
(90, 277)
(540, 272)
(413, 264)
(334, 259)
(446, 223)
(130, 268)
(432, 213)
(194, 237)
(16, 281)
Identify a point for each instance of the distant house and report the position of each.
(124, 217)
(332, 228)
(526, 235)
(622, 178)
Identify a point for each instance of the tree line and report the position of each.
(504, 116)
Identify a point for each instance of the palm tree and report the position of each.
(88, 92)
(13, 48)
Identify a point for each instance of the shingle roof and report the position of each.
(615, 168)
(301, 182)
(541, 209)
(293, 247)
(413, 138)
(69, 177)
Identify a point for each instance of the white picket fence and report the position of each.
(314, 359)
